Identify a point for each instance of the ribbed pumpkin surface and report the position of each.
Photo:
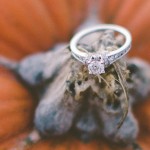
(35, 25)
(16, 106)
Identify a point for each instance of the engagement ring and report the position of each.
(97, 62)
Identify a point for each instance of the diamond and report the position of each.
(96, 64)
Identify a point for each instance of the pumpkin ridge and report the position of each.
(41, 17)
(61, 19)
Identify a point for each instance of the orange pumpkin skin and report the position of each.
(30, 26)
(142, 112)
(134, 15)
(16, 106)
(144, 141)
(79, 10)
(13, 142)
(68, 144)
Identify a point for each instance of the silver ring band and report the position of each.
(108, 57)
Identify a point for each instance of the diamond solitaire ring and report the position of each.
(97, 62)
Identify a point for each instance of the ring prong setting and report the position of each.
(95, 64)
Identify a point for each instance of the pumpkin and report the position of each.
(134, 15)
(14, 89)
(30, 26)
(16, 106)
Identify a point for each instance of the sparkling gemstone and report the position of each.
(96, 64)
(96, 68)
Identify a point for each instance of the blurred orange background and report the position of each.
(31, 26)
